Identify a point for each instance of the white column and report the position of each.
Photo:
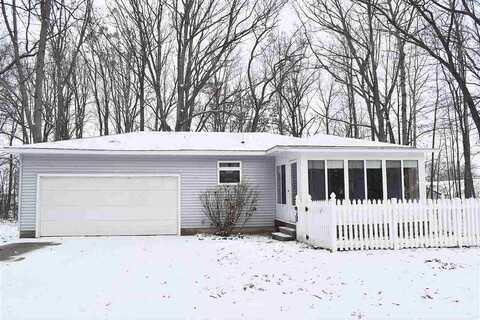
(345, 174)
(421, 180)
(365, 178)
(384, 179)
(302, 172)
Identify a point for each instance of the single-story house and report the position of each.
(149, 182)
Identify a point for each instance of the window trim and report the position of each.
(239, 169)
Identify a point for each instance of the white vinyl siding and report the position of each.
(198, 173)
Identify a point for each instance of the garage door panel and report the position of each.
(106, 198)
(91, 205)
(108, 183)
(106, 213)
(94, 228)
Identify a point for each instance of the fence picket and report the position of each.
(351, 215)
(457, 204)
(473, 222)
(408, 225)
(443, 233)
(359, 216)
(476, 223)
(434, 223)
(421, 223)
(468, 222)
(425, 239)
(385, 223)
(360, 223)
(449, 205)
(460, 207)
(414, 225)
(354, 214)
(339, 230)
(375, 225)
(399, 212)
(421, 219)
(383, 242)
(429, 206)
(393, 230)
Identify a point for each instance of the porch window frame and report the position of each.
(345, 178)
(325, 184)
(282, 198)
(418, 179)
(382, 171)
(384, 175)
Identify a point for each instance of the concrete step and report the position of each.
(282, 236)
(287, 230)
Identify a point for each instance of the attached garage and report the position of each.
(78, 205)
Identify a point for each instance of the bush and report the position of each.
(229, 205)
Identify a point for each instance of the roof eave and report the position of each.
(348, 148)
(134, 152)
(284, 148)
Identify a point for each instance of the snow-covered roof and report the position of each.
(326, 140)
(176, 142)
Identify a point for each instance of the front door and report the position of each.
(292, 186)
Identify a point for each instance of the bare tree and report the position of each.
(206, 34)
(436, 35)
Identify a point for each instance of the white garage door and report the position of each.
(108, 205)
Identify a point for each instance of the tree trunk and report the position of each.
(45, 7)
(403, 90)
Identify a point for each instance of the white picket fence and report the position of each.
(391, 224)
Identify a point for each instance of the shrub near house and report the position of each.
(227, 206)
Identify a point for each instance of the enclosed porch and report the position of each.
(351, 175)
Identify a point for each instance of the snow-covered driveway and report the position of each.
(253, 278)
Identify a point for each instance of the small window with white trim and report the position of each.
(229, 172)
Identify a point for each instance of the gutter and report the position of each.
(134, 152)
(191, 152)
(311, 148)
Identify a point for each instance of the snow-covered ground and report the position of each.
(252, 278)
(8, 232)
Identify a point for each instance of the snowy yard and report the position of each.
(252, 278)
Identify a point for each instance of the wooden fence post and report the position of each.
(333, 222)
(301, 224)
(306, 209)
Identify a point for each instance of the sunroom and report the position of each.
(352, 173)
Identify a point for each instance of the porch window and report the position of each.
(229, 172)
(356, 179)
(316, 179)
(281, 185)
(336, 178)
(374, 179)
(394, 179)
(410, 178)
(293, 182)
